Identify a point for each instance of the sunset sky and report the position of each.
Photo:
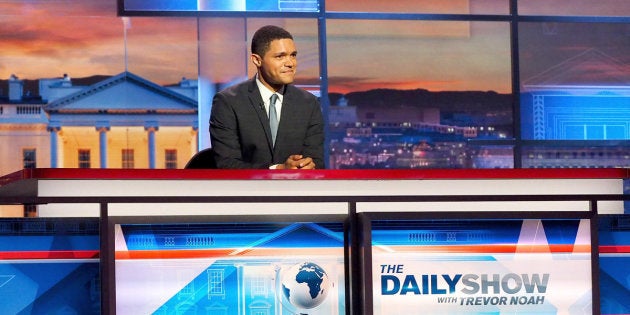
(85, 37)
(43, 39)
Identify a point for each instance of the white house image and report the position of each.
(123, 121)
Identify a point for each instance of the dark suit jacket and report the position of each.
(240, 133)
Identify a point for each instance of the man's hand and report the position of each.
(297, 162)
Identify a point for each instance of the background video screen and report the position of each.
(221, 5)
(482, 266)
(49, 266)
(230, 268)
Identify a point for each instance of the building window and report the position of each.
(28, 110)
(259, 286)
(84, 158)
(29, 158)
(170, 159)
(187, 287)
(216, 285)
(127, 158)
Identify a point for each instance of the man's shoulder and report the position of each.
(238, 88)
(299, 92)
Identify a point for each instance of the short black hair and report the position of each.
(265, 35)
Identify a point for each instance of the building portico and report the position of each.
(122, 122)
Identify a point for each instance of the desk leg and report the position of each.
(106, 264)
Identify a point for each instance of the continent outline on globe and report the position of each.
(305, 285)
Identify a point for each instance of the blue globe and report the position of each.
(305, 285)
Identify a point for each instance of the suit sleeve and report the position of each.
(314, 139)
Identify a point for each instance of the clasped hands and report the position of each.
(297, 161)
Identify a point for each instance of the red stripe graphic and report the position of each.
(611, 249)
(57, 254)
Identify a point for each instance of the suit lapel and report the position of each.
(258, 105)
(288, 113)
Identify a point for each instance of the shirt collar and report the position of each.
(266, 93)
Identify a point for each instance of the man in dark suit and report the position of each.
(240, 129)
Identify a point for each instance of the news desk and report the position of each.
(82, 192)
(353, 212)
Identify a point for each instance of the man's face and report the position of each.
(277, 67)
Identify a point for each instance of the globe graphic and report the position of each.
(305, 285)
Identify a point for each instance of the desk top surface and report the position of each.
(354, 174)
(158, 183)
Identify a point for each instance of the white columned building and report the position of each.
(124, 121)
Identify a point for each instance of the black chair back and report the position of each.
(202, 159)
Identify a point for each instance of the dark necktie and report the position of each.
(273, 117)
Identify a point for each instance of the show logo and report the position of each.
(467, 289)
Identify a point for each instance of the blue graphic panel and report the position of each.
(482, 266)
(575, 115)
(49, 266)
(467, 232)
(614, 262)
(230, 268)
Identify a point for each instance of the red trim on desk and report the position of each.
(614, 249)
(49, 254)
(354, 174)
